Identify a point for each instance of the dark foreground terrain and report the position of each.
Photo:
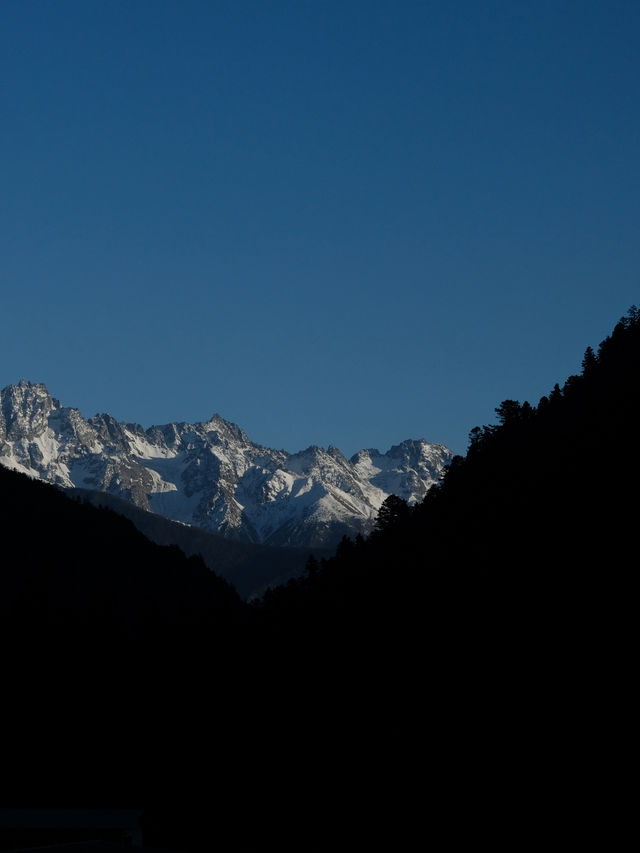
(466, 672)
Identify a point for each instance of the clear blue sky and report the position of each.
(331, 222)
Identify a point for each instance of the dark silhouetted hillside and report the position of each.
(112, 648)
(69, 567)
(542, 506)
(248, 567)
(485, 635)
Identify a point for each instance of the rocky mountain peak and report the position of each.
(211, 474)
(25, 409)
(226, 429)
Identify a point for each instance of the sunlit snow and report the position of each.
(210, 474)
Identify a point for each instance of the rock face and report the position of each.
(210, 474)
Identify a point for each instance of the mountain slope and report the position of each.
(210, 474)
(71, 570)
(249, 567)
(542, 508)
(492, 626)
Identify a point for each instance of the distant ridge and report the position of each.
(211, 474)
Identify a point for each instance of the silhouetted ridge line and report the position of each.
(492, 621)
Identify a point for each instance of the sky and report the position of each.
(346, 223)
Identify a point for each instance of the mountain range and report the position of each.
(210, 474)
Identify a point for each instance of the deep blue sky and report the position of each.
(331, 222)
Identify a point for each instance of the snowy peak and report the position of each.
(225, 430)
(408, 469)
(210, 474)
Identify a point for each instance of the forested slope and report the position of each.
(544, 503)
(487, 633)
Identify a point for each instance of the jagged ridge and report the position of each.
(211, 474)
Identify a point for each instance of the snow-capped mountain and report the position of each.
(210, 474)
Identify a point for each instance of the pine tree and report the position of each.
(589, 362)
(313, 567)
(393, 510)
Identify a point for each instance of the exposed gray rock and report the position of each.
(211, 474)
